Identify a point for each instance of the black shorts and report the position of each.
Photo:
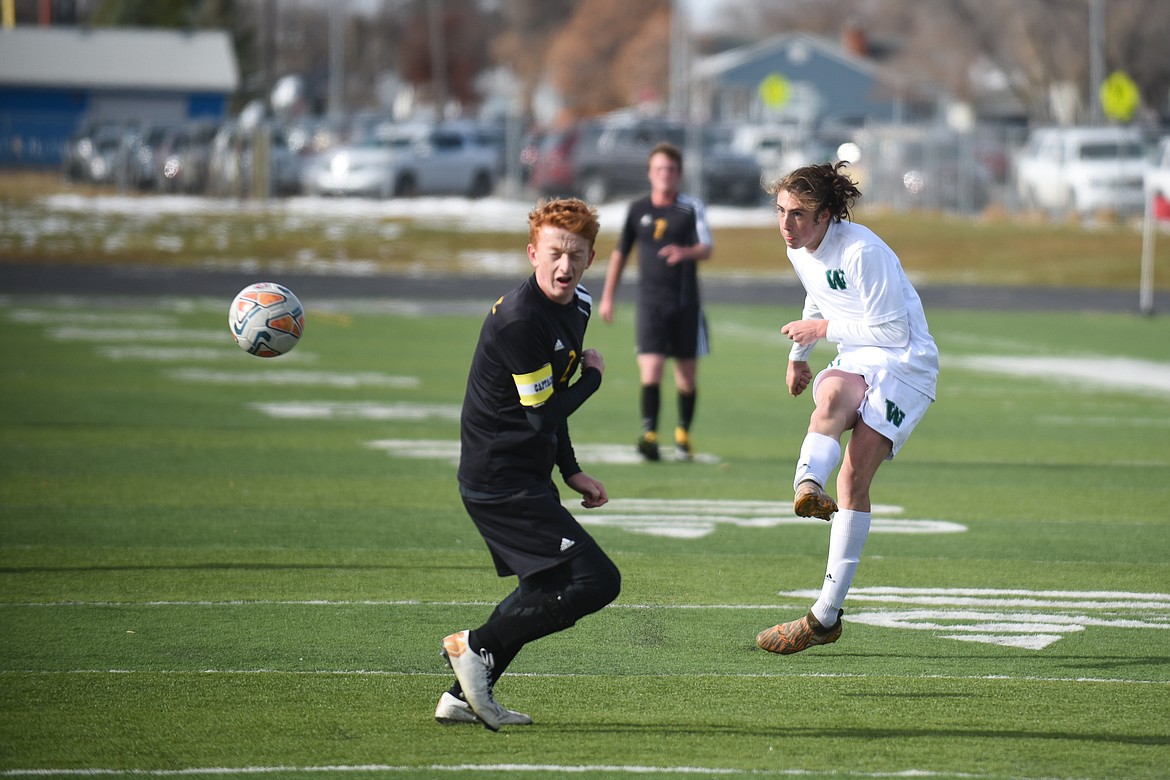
(671, 329)
(527, 532)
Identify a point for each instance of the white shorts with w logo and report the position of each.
(891, 407)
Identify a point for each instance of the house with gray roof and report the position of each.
(55, 79)
(801, 80)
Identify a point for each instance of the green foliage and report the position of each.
(217, 14)
(188, 583)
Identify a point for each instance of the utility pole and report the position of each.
(438, 55)
(1096, 58)
(678, 106)
(337, 17)
(267, 48)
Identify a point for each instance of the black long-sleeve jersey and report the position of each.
(513, 428)
(649, 228)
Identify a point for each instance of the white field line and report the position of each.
(445, 673)
(543, 769)
(985, 597)
(284, 377)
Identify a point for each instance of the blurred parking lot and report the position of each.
(900, 167)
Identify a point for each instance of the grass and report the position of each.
(996, 248)
(191, 583)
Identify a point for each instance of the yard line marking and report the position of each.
(992, 625)
(286, 377)
(358, 411)
(633, 769)
(353, 603)
(123, 319)
(1141, 376)
(340, 410)
(448, 450)
(695, 518)
(579, 675)
(123, 335)
(1005, 617)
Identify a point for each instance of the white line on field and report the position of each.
(1004, 617)
(632, 769)
(577, 675)
(353, 603)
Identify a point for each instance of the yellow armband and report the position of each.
(536, 387)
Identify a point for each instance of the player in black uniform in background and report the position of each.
(514, 429)
(672, 236)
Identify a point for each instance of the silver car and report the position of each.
(454, 158)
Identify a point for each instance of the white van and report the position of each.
(1084, 169)
(1158, 171)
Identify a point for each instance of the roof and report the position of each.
(118, 58)
(719, 64)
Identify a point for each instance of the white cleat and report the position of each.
(452, 709)
(473, 674)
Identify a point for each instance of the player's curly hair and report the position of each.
(820, 187)
(571, 214)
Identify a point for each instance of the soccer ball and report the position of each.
(266, 319)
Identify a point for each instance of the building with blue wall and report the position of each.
(55, 80)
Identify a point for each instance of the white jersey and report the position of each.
(853, 277)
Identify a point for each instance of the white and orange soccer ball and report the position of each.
(266, 319)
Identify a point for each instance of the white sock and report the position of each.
(846, 541)
(819, 455)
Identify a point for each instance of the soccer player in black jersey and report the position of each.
(672, 235)
(514, 429)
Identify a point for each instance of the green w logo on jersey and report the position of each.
(894, 414)
(836, 278)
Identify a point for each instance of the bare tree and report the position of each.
(465, 49)
(1035, 44)
(606, 57)
(527, 31)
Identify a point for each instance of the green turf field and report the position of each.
(216, 564)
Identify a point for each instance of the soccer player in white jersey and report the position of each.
(878, 386)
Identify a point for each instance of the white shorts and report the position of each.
(890, 406)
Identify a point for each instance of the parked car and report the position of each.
(106, 152)
(600, 159)
(923, 167)
(453, 158)
(728, 175)
(529, 152)
(554, 169)
(77, 159)
(1082, 169)
(778, 149)
(141, 162)
(231, 167)
(1157, 174)
(183, 158)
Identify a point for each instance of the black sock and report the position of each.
(651, 399)
(686, 410)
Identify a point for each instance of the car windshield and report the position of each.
(385, 142)
(1112, 150)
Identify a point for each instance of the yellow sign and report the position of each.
(774, 90)
(1120, 97)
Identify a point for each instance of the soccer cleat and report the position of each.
(797, 635)
(812, 501)
(474, 675)
(683, 451)
(648, 445)
(452, 709)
